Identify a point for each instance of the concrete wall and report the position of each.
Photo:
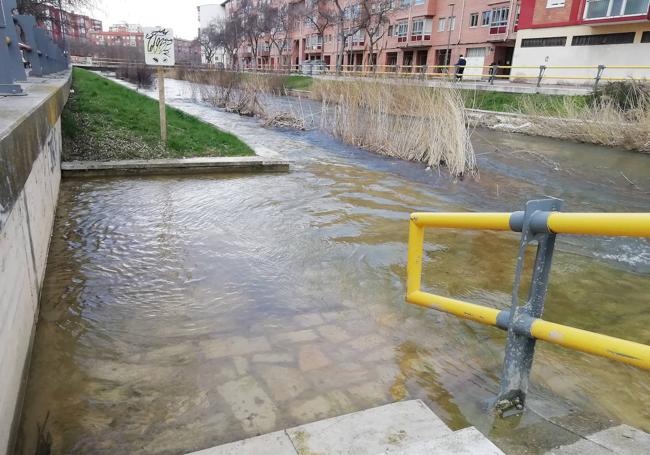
(30, 158)
(633, 54)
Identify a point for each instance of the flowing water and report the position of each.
(183, 313)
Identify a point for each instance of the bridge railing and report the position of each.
(25, 47)
(539, 224)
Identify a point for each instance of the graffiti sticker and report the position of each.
(159, 46)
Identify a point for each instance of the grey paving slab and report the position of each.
(276, 443)
(620, 440)
(468, 441)
(373, 431)
(623, 439)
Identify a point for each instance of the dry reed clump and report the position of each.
(409, 122)
(602, 119)
(247, 94)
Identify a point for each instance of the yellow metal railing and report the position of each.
(604, 224)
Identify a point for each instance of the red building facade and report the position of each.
(73, 26)
(417, 33)
(583, 33)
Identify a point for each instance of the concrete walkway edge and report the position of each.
(214, 165)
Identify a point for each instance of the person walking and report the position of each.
(460, 67)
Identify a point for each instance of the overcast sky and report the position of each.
(180, 15)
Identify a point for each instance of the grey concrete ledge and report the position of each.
(181, 166)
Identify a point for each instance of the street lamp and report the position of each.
(449, 22)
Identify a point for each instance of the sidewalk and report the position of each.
(498, 86)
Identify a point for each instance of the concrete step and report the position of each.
(621, 440)
(407, 427)
(468, 441)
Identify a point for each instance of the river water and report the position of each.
(183, 313)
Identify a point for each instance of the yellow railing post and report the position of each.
(540, 223)
(414, 262)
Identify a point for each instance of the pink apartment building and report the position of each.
(418, 33)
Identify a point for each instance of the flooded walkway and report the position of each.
(184, 313)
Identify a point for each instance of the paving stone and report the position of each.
(273, 357)
(385, 429)
(277, 443)
(382, 354)
(299, 336)
(387, 373)
(367, 342)
(309, 320)
(372, 392)
(241, 365)
(311, 357)
(283, 383)
(233, 346)
(623, 439)
(333, 333)
(339, 375)
(310, 410)
(339, 316)
(340, 402)
(468, 441)
(249, 404)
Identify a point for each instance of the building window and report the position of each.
(555, 41)
(486, 18)
(604, 39)
(402, 30)
(612, 8)
(390, 30)
(555, 3)
(418, 27)
(645, 38)
(499, 17)
(473, 20)
(441, 24)
(452, 23)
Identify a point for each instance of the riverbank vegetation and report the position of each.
(616, 115)
(410, 122)
(106, 121)
(414, 123)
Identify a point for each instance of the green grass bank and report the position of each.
(106, 121)
(476, 99)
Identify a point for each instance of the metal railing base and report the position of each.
(11, 90)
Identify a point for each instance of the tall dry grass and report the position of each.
(410, 122)
(248, 94)
(615, 117)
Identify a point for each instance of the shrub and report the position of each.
(140, 75)
(623, 95)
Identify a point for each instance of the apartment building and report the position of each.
(75, 26)
(416, 33)
(187, 52)
(120, 35)
(583, 33)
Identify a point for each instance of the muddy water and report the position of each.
(182, 313)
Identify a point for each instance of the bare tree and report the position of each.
(374, 21)
(320, 16)
(255, 21)
(349, 23)
(228, 35)
(208, 39)
(280, 19)
(38, 8)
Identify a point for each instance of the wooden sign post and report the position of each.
(159, 51)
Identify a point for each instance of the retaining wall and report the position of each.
(30, 173)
